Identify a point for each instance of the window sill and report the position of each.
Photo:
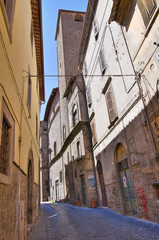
(113, 122)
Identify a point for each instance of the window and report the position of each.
(96, 30)
(89, 99)
(94, 139)
(78, 17)
(31, 35)
(146, 8)
(4, 158)
(61, 177)
(102, 62)
(6, 144)
(36, 126)
(74, 115)
(29, 95)
(78, 150)
(9, 9)
(84, 68)
(111, 104)
(54, 149)
(64, 133)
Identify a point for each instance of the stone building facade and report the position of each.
(119, 59)
(44, 162)
(71, 166)
(20, 95)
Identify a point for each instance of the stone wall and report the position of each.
(13, 211)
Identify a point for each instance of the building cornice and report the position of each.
(38, 36)
(49, 103)
(69, 139)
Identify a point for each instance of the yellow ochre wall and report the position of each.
(17, 56)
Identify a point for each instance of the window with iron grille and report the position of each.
(146, 8)
(4, 150)
(7, 143)
(111, 104)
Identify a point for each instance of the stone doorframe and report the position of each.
(30, 182)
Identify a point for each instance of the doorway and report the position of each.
(102, 184)
(57, 190)
(30, 193)
(126, 181)
(83, 185)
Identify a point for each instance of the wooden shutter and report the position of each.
(94, 139)
(146, 8)
(111, 104)
(89, 99)
(96, 30)
(102, 61)
(84, 68)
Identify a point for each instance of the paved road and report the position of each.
(67, 222)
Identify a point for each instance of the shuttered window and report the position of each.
(84, 68)
(9, 8)
(111, 104)
(29, 94)
(146, 8)
(102, 61)
(55, 149)
(74, 115)
(94, 139)
(89, 99)
(96, 30)
(78, 150)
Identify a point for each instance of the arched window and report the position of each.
(54, 149)
(74, 115)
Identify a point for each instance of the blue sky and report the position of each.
(50, 13)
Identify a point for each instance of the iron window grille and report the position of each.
(4, 151)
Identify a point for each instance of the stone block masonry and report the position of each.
(13, 211)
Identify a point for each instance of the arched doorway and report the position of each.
(102, 184)
(126, 181)
(30, 189)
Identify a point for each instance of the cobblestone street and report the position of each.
(67, 222)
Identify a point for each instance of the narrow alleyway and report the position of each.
(67, 222)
